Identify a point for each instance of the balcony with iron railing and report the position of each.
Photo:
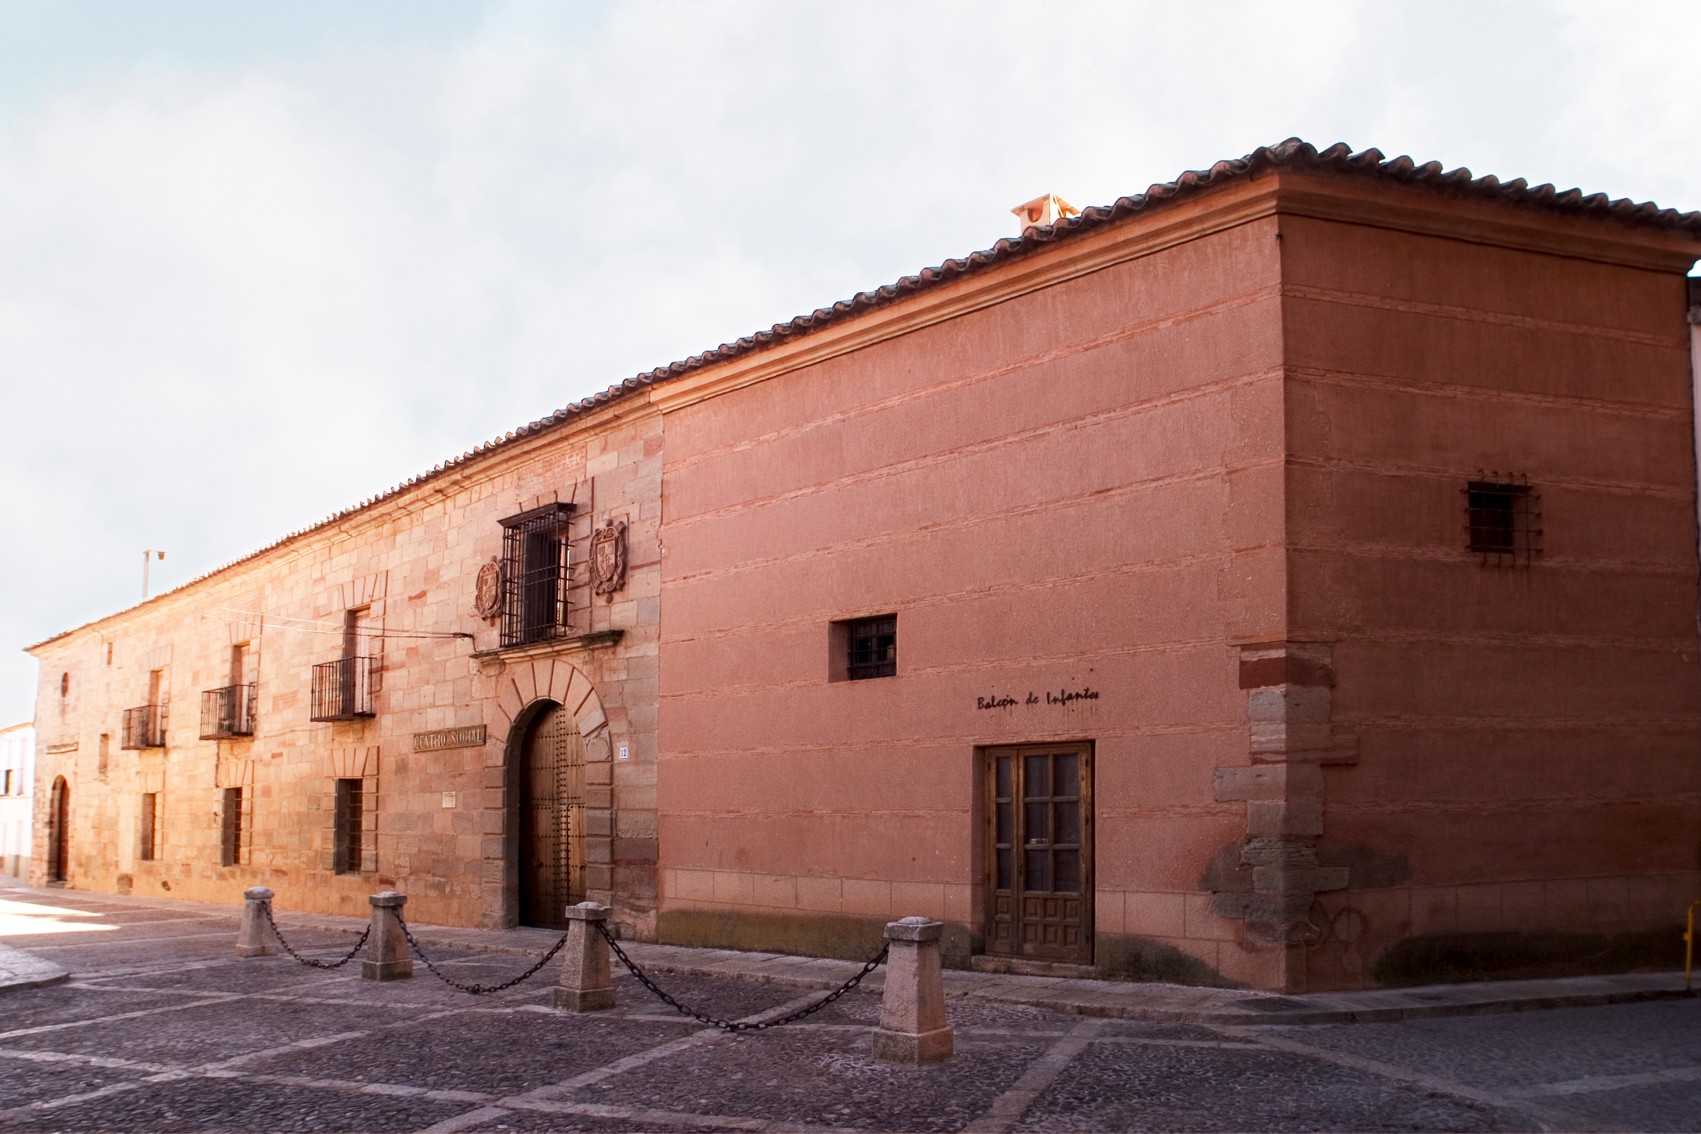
(144, 727)
(342, 689)
(229, 712)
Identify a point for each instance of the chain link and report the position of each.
(735, 1025)
(310, 962)
(476, 989)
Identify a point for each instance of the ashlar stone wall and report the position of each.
(450, 704)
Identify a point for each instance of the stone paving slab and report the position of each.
(824, 1077)
(1212, 1088)
(19, 969)
(474, 1051)
(204, 1104)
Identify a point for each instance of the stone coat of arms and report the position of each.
(608, 558)
(487, 591)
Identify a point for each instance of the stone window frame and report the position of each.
(536, 575)
(361, 765)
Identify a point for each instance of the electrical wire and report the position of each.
(320, 626)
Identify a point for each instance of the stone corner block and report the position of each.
(925, 1047)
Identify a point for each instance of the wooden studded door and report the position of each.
(1039, 824)
(59, 831)
(552, 820)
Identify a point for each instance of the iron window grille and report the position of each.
(342, 690)
(1502, 519)
(871, 647)
(230, 827)
(536, 575)
(228, 712)
(144, 727)
(346, 826)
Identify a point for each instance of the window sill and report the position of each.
(577, 643)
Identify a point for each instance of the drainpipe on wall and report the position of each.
(1695, 396)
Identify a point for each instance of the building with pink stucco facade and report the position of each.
(1284, 577)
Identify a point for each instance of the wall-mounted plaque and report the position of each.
(471, 736)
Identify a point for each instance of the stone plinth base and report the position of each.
(905, 1047)
(584, 1000)
(386, 970)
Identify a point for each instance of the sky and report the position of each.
(262, 261)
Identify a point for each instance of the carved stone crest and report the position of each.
(608, 558)
(487, 592)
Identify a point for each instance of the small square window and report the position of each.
(870, 647)
(1501, 520)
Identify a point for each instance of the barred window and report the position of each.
(346, 821)
(535, 558)
(230, 827)
(871, 647)
(1502, 521)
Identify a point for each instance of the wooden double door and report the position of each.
(551, 819)
(1039, 852)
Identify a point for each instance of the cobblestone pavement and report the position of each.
(161, 1028)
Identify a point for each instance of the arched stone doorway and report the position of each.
(559, 806)
(59, 831)
(550, 817)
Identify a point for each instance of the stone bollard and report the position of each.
(912, 1009)
(254, 939)
(586, 984)
(386, 949)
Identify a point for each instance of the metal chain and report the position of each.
(310, 962)
(735, 1025)
(477, 989)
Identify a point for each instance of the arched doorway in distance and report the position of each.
(59, 832)
(547, 782)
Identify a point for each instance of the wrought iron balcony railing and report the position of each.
(228, 712)
(144, 727)
(342, 690)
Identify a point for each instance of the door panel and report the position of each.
(1039, 852)
(59, 832)
(551, 820)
